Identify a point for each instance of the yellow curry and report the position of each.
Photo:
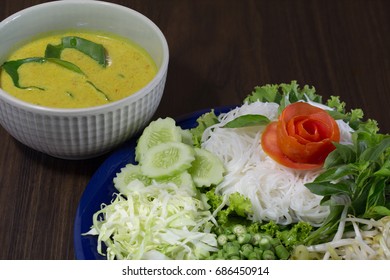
(80, 69)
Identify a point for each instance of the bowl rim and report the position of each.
(160, 75)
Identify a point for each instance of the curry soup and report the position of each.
(84, 69)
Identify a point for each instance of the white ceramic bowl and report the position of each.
(82, 133)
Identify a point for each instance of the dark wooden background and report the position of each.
(219, 50)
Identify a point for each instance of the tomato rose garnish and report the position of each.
(302, 137)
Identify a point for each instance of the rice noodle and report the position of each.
(276, 192)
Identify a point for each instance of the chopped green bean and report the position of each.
(232, 237)
(253, 256)
(244, 238)
(246, 250)
(231, 249)
(256, 238)
(239, 229)
(281, 252)
(222, 239)
(268, 255)
(258, 252)
(265, 242)
(243, 242)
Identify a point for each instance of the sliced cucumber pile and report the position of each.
(165, 154)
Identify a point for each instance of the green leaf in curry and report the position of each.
(12, 67)
(95, 51)
(105, 96)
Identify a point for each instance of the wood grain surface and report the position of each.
(219, 51)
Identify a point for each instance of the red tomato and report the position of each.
(302, 137)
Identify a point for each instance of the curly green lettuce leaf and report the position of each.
(296, 235)
(283, 94)
(240, 204)
(203, 122)
(229, 207)
(353, 117)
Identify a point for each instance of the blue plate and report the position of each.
(100, 188)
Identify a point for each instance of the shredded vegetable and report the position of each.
(157, 221)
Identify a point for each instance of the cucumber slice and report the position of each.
(167, 159)
(182, 180)
(207, 169)
(128, 174)
(158, 131)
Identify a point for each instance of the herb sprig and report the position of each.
(361, 173)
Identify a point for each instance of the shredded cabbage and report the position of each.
(277, 193)
(160, 221)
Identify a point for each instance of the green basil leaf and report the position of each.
(247, 120)
(326, 200)
(336, 173)
(373, 153)
(328, 188)
(95, 51)
(384, 170)
(365, 171)
(376, 194)
(12, 67)
(343, 154)
(377, 211)
(326, 231)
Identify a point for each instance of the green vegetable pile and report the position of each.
(355, 178)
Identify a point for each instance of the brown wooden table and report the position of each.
(219, 50)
